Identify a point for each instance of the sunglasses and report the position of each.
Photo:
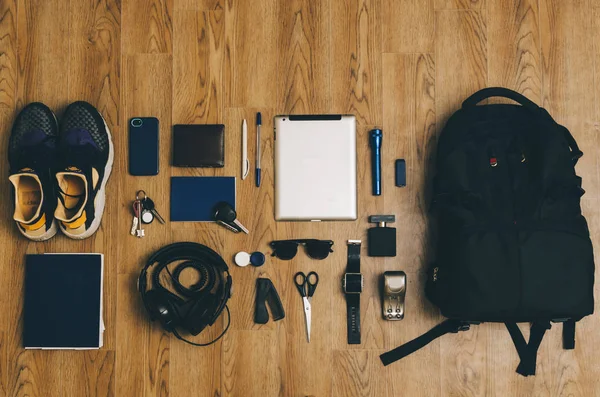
(287, 249)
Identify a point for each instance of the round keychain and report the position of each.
(146, 216)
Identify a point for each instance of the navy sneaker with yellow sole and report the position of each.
(84, 163)
(31, 157)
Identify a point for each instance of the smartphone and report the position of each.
(143, 146)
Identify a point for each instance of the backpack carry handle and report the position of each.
(500, 92)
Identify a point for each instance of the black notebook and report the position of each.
(63, 301)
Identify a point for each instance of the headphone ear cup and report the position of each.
(164, 307)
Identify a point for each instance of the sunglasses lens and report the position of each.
(285, 250)
(318, 249)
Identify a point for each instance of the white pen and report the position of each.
(245, 161)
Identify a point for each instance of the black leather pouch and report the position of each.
(199, 145)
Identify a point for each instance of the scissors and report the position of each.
(306, 284)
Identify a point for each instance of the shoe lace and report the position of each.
(63, 194)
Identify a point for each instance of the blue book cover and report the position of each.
(63, 301)
(194, 198)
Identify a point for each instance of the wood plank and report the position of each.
(147, 26)
(565, 35)
(564, 32)
(198, 57)
(197, 5)
(461, 61)
(8, 54)
(304, 52)
(144, 355)
(358, 373)
(247, 357)
(408, 25)
(356, 59)
(461, 69)
(251, 54)
(43, 52)
(147, 93)
(409, 115)
(514, 47)
(596, 34)
(459, 4)
(89, 373)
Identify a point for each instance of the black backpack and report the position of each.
(512, 245)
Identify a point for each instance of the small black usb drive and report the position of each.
(400, 173)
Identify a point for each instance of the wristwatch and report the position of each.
(352, 285)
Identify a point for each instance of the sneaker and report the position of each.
(31, 156)
(84, 163)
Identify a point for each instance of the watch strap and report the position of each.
(353, 258)
(353, 318)
(353, 300)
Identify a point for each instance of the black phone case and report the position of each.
(143, 146)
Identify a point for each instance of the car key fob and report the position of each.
(225, 215)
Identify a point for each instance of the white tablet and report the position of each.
(315, 168)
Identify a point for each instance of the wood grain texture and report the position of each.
(357, 373)
(147, 26)
(198, 66)
(356, 60)
(514, 47)
(461, 54)
(408, 25)
(41, 73)
(304, 51)
(459, 4)
(251, 54)
(404, 66)
(409, 114)
(8, 55)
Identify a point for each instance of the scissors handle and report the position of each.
(311, 280)
(300, 285)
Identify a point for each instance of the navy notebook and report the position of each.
(63, 301)
(194, 198)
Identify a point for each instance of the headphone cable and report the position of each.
(181, 338)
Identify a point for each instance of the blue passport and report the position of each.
(194, 198)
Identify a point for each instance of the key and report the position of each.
(137, 209)
(134, 225)
(226, 216)
(149, 205)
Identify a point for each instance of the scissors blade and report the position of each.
(307, 316)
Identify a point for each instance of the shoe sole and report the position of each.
(46, 236)
(99, 209)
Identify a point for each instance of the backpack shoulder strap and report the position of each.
(423, 340)
(528, 350)
(568, 333)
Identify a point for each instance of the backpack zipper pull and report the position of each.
(493, 158)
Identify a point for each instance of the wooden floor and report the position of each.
(403, 65)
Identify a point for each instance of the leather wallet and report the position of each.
(199, 145)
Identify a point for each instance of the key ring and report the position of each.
(137, 195)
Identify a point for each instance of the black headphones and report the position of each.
(202, 302)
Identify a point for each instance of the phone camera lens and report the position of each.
(136, 122)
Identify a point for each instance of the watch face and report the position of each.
(353, 283)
